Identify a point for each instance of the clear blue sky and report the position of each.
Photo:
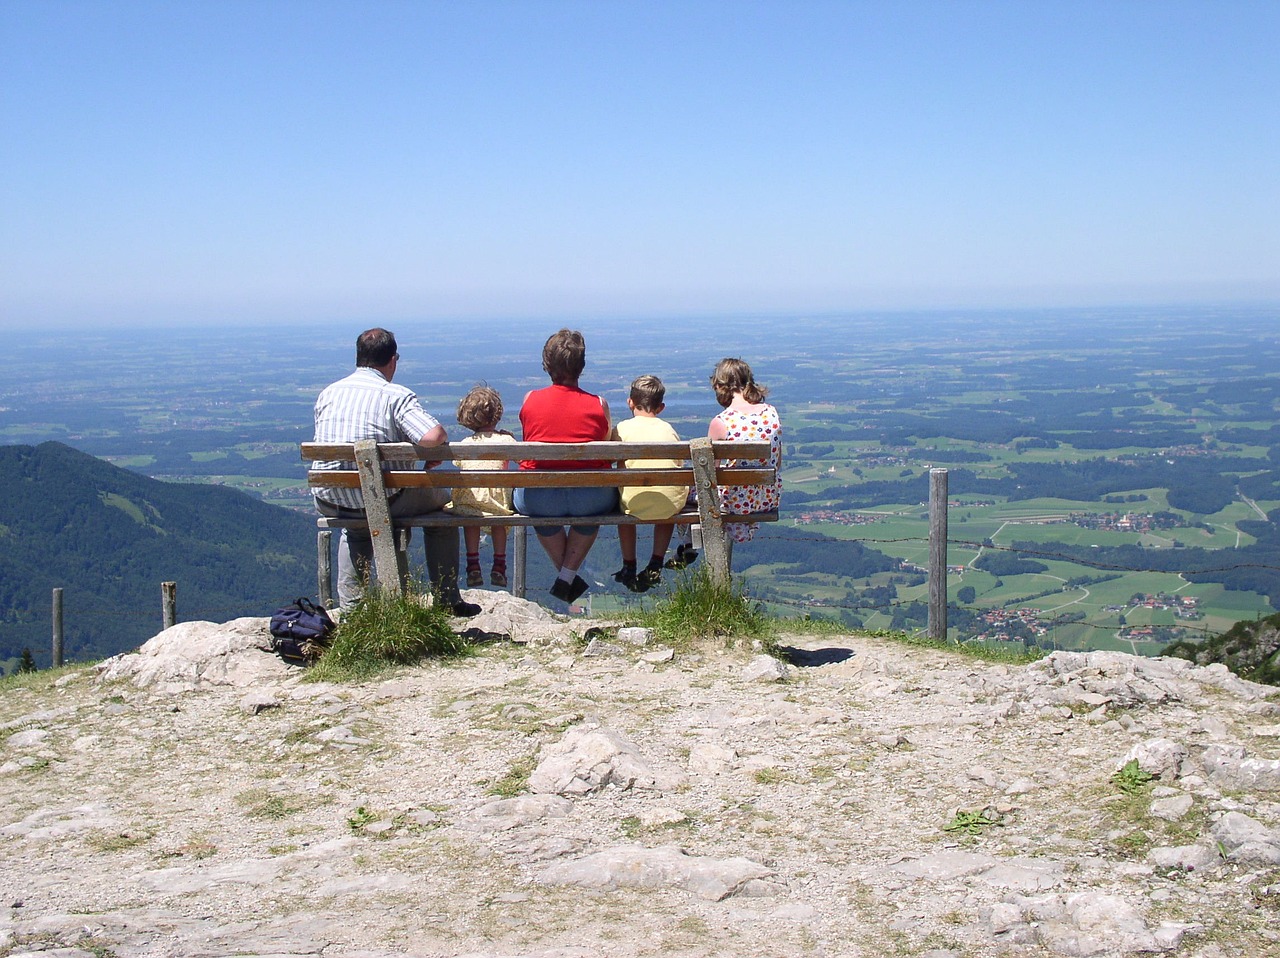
(264, 160)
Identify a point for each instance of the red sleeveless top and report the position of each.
(563, 414)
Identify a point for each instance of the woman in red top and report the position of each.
(564, 413)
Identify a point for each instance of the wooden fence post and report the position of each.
(57, 628)
(938, 554)
(169, 604)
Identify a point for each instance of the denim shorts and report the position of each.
(572, 501)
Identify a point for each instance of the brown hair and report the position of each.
(734, 376)
(481, 409)
(647, 392)
(564, 357)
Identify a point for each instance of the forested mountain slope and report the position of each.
(108, 537)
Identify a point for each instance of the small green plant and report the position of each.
(382, 630)
(768, 776)
(697, 607)
(361, 819)
(1131, 779)
(972, 822)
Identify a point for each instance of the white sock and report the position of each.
(567, 574)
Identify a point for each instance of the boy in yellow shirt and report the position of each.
(647, 502)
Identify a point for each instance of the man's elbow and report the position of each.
(434, 437)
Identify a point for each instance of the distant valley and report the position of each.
(1111, 472)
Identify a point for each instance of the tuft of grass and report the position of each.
(384, 630)
(698, 608)
(516, 780)
(259, 803)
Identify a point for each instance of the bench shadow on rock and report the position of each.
(812, 658)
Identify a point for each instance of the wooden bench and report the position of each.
(704, 472)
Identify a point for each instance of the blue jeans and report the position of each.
(573, 501)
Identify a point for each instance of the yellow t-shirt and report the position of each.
(650, 502)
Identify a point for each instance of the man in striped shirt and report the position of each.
(368, 405)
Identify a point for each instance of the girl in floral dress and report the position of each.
(746, 417)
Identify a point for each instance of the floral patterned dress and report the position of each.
(759, 425)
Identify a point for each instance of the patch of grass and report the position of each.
(38, 681)
(260, 803)
(1134, 844)
(116, 841)
(384, 630)
(516, 780)
(769, 776)
(197, 848)
(698, 608)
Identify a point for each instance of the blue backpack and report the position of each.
(301, 632)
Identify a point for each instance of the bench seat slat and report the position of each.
(447, 518)
(537, 478)
(544, 451)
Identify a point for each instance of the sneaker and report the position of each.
(631, 579)
(475, 578)
(495, 578)
(568, 591)
(684, 557)
(465, 610)
(649, 578)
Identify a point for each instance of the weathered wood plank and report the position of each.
(542, 451)
(537, 478)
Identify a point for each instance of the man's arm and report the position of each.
(433, 437)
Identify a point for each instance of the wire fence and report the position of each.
(780, 596)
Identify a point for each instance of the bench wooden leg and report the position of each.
(324, 568)
(713, 538)
(519, 553)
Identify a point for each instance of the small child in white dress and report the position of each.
(480, 411)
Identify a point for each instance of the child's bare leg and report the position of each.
(498, 574)
(471, 536)
(661, 539)
(627, 542)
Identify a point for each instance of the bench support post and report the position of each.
(386, 557)
(324, 568)
(519, 549)
(713, 538)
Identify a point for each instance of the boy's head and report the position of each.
(647, 393)
(480, 409)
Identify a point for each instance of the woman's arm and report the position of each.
(717, 430)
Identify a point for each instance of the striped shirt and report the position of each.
(366, 406)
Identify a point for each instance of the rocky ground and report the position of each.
(549, 797)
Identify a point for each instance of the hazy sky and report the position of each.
(194, 160)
